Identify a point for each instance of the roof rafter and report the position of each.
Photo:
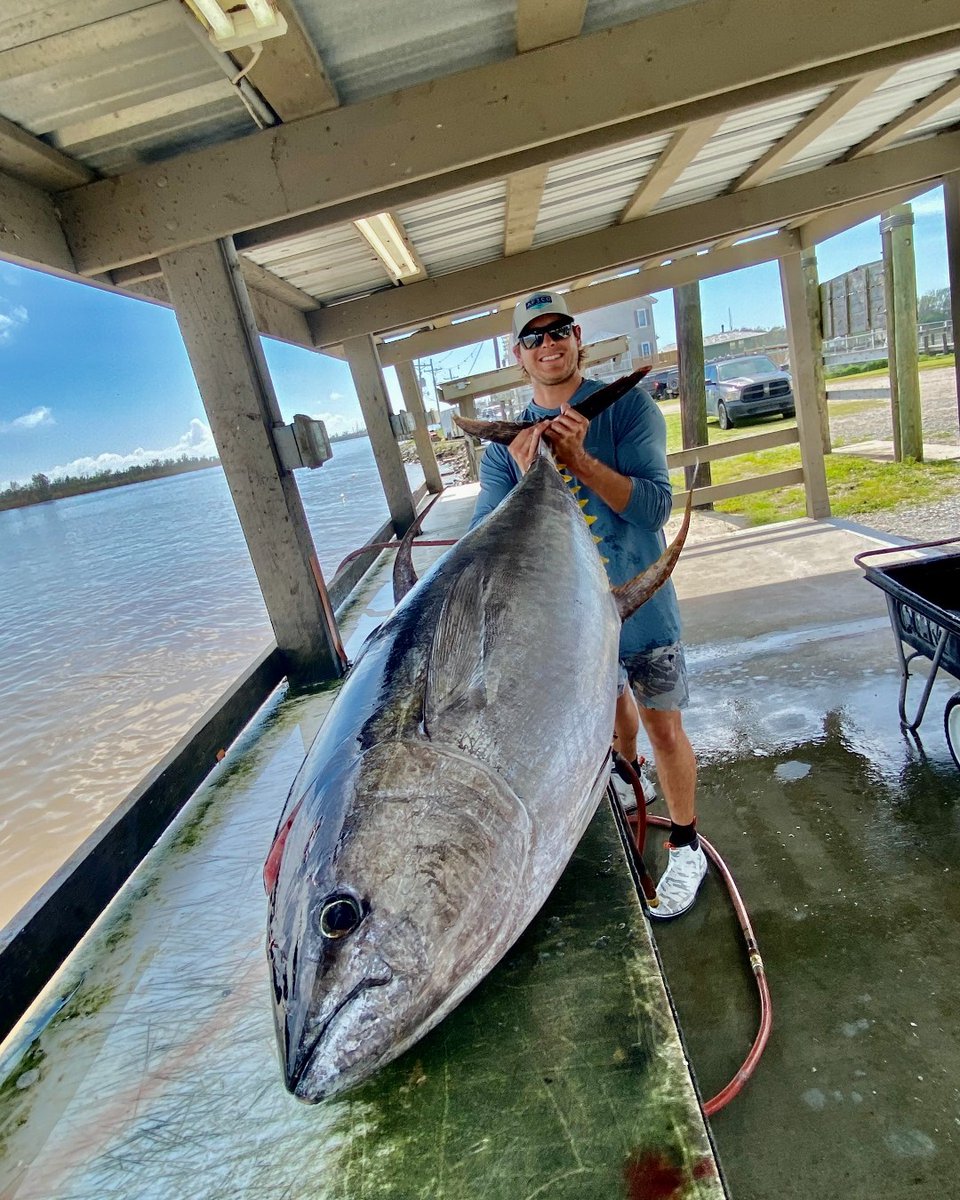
(659, 233)
(312, 164)
(679, 153)
(524, 193)
(899, 127)
(841, 101)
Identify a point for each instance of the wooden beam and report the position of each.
(803, 376)
(28, 158)
(361, 354)
(524, 193)
(841, 101)
(661, 233)
(680, 152)
(217, 324)
(289, 73)
(586, 299)
(542, 22)
(30, 230)
(951, 212)
(899, 127)
(818, 228)
(314, 164)
(413, 402)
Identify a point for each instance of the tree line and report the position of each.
(42, 488)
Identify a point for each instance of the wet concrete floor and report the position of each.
(843, 836)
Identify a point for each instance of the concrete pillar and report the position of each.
(896, 226)
(803, 374)
(364, 362)
(693, 393)
(217, 324)
(951, 205)
(413, 400)
(811, 278)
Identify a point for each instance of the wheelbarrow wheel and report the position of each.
(951, 726)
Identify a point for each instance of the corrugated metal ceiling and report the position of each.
(114, 83)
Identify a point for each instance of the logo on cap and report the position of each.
(539, 301)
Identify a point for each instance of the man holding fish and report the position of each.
(616, 467)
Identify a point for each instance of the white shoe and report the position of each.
(627, 796)
(680, 882)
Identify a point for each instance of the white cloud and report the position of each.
(12, 317)
(30, 420)
(197, 442)
(337, 423)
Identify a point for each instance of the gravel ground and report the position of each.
(938, 398)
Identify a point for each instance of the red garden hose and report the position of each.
(638, 822)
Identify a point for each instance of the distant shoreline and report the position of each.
(73, 485)
(42, 490)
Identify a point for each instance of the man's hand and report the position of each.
(526, 446)
(565, 436)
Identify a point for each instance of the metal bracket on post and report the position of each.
(402, 424)
(302, 444)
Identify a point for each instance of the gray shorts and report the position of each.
(658, 677)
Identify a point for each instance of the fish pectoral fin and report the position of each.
(637, 591)
(456, 671)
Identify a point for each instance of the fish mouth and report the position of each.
(300, 1053)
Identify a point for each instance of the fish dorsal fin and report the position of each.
(404, 576)
(455, 672)
(637, 591)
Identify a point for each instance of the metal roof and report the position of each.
(116, 84)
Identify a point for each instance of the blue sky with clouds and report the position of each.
(91, 379)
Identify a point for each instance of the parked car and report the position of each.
(739, 389)
(663, 384)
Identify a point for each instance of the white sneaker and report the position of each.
(627, 796)
(680, 882)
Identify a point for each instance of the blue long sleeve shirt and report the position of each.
(631, 438)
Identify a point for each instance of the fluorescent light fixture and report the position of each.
(389, 244)
(487, 312)
(247, 24)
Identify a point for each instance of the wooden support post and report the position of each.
(803, 375)
(693, 392)
(364, 362)
(468, 409)
(808, 264)
(890, 321)
(896, 226)
(951, 204)
(413, 399)
(218, 329)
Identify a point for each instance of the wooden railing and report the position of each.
(733, 449)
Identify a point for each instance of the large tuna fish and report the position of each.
(447, 789)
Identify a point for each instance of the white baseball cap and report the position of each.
(535, 305)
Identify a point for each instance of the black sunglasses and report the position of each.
(557, 331)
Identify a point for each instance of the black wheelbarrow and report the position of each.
(923, 600)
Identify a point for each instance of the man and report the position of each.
(616, 466)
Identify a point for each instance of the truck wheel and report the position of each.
(951, 726)
(723, 417)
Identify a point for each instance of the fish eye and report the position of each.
(340, 915)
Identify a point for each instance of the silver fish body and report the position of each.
(446, 791)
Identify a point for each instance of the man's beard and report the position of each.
(554, 380)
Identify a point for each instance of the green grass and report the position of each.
(872, 370)
(857, 487)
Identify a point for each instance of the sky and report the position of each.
(92, 380)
